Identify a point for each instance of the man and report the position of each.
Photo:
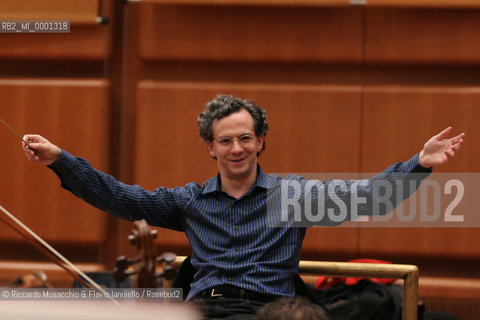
(241, 261)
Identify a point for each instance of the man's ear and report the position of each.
(260, 142)
(210, 149)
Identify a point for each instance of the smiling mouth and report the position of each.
(238, 160)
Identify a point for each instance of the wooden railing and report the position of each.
(409, 274)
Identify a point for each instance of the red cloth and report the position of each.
(324, 282)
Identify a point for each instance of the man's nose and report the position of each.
(236, 146)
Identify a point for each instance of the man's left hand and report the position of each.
(440, 149)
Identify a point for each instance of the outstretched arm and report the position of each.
(41, 150)
(440, 149)
(161, 207)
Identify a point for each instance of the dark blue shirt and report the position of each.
(234, 241)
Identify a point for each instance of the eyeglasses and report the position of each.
(227, 142)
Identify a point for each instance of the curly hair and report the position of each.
(294, 308)
(224, 105)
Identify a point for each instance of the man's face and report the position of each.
(235, 145)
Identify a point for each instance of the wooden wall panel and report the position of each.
(250, 33)
(407, 118)
(313, 129)
(76, 10)
(87, 39)
(422, 36)
(73, 115)
(83, 42)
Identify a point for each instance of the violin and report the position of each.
(142, 269)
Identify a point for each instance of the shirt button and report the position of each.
(229, 278)
(236, 227)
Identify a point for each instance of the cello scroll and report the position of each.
(142, 268)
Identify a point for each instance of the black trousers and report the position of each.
(227, 308)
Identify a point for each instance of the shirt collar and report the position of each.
(213, 184)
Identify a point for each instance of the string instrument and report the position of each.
(16, 225)
(142, 269)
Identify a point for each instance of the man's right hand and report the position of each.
(41, 150)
